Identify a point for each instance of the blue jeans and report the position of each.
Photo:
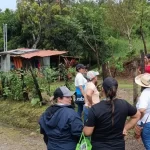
(80, 109)
(85, 113)
(146, 135)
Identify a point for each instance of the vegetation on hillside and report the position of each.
(95, 30)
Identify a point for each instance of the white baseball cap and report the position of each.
(92, 74)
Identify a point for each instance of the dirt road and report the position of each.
(16, 139)
(19, 139)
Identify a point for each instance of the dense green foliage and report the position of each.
(98, 31)
(14, 84)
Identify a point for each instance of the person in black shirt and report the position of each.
(106, 120)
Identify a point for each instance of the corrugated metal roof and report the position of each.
(42, 53)
(19, 51)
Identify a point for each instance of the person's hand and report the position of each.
(125, 132)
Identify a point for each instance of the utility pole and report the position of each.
(5, 36)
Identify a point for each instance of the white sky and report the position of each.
(11, 4)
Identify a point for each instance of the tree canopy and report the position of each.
(95, 30)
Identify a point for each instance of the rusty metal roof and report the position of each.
(18, 51)
(42, 53)
(29, 53)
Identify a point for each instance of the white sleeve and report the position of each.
(143, 100)
(80, 81)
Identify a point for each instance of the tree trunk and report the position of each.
(98, 61)
(142, 65)
(135, 86)
(141, 31)
(36, 85)
(36, 42)
(25, 94)
(104, 71)
(142, 62)
(129, 40)
(143, 39)
(108, 68)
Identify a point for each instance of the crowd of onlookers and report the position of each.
(106, 118)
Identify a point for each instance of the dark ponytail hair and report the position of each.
(110, 86)
(148, 56)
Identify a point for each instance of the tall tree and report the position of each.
(10, 18)
(94, 32)
(32, 16)
(122, 16)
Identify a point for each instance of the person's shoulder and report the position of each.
(146, 90)
(78, 75)
(145, 93)
(69, 110)
(99, 105)
(70, 113)
(122, 101)
(90, 85)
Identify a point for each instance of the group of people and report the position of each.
(105, 119)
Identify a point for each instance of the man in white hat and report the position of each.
(91, 92)
(143, 105)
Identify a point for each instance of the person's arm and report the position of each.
(82, 90)
(89, 94)
(88, 131)
(42, 131)
(142, 111)
(90, 124)
(132, 121)
(143, 102)
(45, 137)
(134, 117)
(76, 127)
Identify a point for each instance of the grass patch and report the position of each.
(24, 115)
(20, 114)
(126, 86)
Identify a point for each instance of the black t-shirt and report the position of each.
(105, 136)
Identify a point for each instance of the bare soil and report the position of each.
(19, 139)
(22, 139)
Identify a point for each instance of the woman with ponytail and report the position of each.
(106, 120)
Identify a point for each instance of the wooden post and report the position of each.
(142, 62)
(104, 71)
(135, 86)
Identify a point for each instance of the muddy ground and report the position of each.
(21, 139)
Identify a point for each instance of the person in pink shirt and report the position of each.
(91, 92)
(147, 64)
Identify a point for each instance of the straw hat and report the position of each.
(143, 80)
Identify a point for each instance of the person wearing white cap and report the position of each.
(91, 92)
(143, 105)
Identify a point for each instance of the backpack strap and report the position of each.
(147, 118)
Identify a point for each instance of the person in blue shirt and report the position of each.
(60, 124)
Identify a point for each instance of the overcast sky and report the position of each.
(11, 4)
